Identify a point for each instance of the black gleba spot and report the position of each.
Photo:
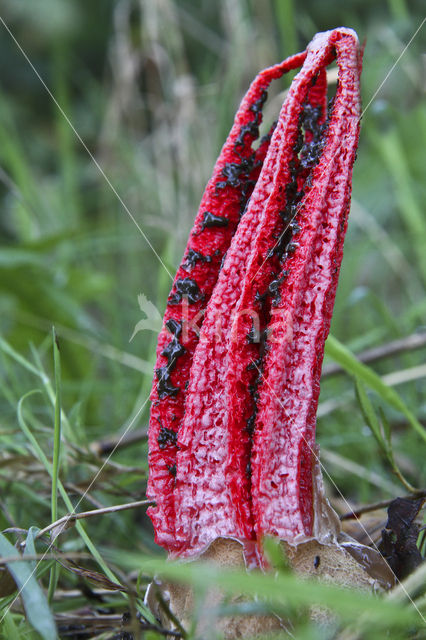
(250, 423)
(275, 285)
(232, 171)
(172, 469)
(258, 104)
(188, 288)
(172, 352)
(192, 257)
(166, 437)
(211, 220)
(164, 385)
(174, 326)
(251, 128)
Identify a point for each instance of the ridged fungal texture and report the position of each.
(234, 399)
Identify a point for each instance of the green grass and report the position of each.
(152, 92)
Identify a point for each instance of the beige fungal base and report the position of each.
(331, 563)
(330, 556)
(223, 553)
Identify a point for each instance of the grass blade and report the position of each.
(381, 430)
(35, 603)
(340, 354)
(280, 590)
(57, 428)
(54, 574)
(43, 459)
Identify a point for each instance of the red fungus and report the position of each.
(232, 428)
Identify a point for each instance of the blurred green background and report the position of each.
(151, 87)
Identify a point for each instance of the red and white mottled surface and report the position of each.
(216, 477)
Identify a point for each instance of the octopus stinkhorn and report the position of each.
(232, 451)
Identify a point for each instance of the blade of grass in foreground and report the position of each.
(341, 354)
(43, 459)
(10, 628)
(55, 570)
(280, 590)
(32, 595)
(39, 372)
(381, 431)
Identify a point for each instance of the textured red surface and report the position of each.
(285, 428)
(233, 410)
(224, 197)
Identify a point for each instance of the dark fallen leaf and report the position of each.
(399, 539)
